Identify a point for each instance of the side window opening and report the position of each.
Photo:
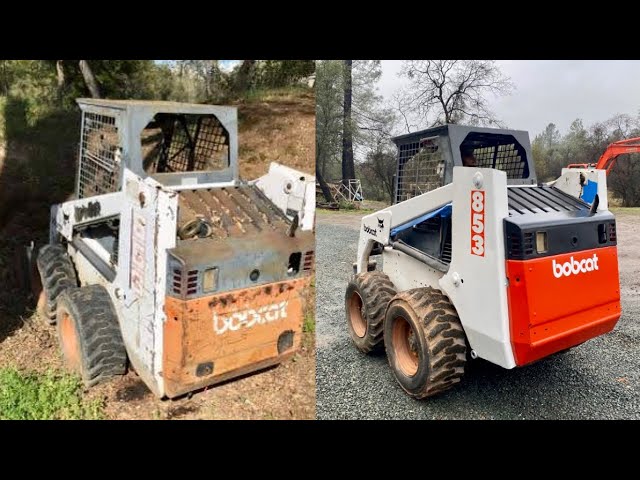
(173, 143)
(103, 238)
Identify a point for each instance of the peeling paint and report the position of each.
(84, 212)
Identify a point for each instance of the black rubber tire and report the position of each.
(438, 339)
(373, 291)
(101, 353)
(57, 274)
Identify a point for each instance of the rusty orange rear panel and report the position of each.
(214, 338)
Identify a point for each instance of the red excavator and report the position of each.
(608, 159)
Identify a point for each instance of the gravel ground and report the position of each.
(597, 380)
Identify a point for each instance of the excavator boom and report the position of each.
(614, 150)
(608, 159)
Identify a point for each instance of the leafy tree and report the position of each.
(328, 119)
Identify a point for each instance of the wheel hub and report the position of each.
(406, 346)
(69, 343)
(357, 315)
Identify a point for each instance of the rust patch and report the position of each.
(231, 212)
(237, 333)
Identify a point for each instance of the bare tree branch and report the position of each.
(453, 91)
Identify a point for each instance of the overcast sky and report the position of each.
(557, 91)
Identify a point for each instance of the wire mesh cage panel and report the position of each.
(195, 143)
(100, 156)
(505, 157)
(420, 168)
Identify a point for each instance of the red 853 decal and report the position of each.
(477, 222)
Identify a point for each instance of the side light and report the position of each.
(541, 242)
(210, 280)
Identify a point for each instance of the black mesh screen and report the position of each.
(420, 169)
(501, 152)
(185, 143)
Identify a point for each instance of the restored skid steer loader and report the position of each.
(480, 259)
(166, 260)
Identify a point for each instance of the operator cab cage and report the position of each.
(426, 158)
(174, 143)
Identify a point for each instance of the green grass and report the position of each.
(309, 324)
(270, 94)
(48, 396)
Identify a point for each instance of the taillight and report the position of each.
(612, 232)
(308, 261)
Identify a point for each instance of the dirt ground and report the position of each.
(280, 129)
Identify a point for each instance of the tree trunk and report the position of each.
(60, 80)
(326, 191)
(213, 78)
(4, 77)
(348, 168)
(242, 78)
(89, 79)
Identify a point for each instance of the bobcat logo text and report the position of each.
(370, 231)
(249, 318)
(575, 267)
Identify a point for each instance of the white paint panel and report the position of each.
(569, 182)
(290, 189)
(480, 296)
(64, 214)
(373, 228)
(147, 230)
(165, 239)
(406, 272)
(197, 185)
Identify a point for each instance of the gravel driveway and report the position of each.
(599, 379)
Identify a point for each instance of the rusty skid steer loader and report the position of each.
(166, 260)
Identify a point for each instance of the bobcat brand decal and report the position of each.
(249, 318)
(575, 267)
(380, 223)
(370, 231)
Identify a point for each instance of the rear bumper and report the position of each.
(550, 311)
(211, 339)
(570, 331)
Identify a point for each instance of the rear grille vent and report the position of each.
(514, 246)
(176, 285)
(612, 232)
(308, 261)
(528, 243)
(446, 252)
(192, 282)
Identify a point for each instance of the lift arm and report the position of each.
(379, 227)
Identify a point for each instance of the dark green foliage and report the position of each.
(553, 151)
(48, 396)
